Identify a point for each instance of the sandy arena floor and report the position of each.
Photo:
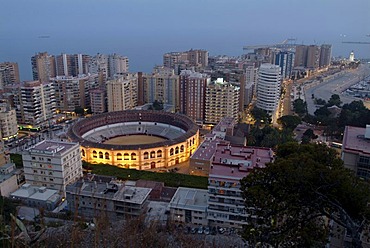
(134, 140)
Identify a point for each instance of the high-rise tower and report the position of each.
(268, 87)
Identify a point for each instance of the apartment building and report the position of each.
(9, 74)
(356, 150)
(34, 103)
(71, 64)
(98, 100)
(43, 66)
(162, 85)
(8, 121)
(201, 159)
(268, 87)
(229, 165)
(222, 99)
(72, 92)
(186, 60)
(52, 164)
(189, 206)
(108, 65)
(122, 92)
(193, 94)
(111, 200)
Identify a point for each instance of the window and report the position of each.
(177, 150)
(152, 154)
(126, 156)
(182, 148)
(100, 155)
(133, 156)
(159, 153)
(106, 155)
(146, 155)
(171, 151)
(94, 155)
(119, 156)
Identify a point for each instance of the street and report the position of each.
(339, 83)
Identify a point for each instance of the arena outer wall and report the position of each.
(141, 157)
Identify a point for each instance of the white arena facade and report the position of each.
(136, 139)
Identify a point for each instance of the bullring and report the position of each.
(179, 134)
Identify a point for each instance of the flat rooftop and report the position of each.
(206, 149)
(189, 198)
(354, 140)
(36, 193)
(112, 191)
(225, 123)
(235, 162)
(51, 147)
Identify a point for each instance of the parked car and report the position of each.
(206, 230)
(194, 230)
(200, 230)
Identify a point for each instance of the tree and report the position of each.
(79, 111)
(308, 135)
(300, 107)
(289, 121)
(260, 115)
(334, 100)
(320, 101)
(268, 136)
(157, 105)
(292, 199)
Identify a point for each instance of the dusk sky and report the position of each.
(145, 29)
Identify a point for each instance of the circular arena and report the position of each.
(136, 139)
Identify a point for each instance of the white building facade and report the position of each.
(189, 206)
(8, 122)
(122, 92)
(268, 87)
(222, 99)
(52, 164)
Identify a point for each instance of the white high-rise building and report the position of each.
(117, 64)
(251, 77)
(222, 99)
(268, 87)
(122, 92)
(162, 85)
(8, 121)
(34, 102)
(108, 65)
(52, 164)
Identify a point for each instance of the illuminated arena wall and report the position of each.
(182, 136)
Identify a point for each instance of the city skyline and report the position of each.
(145, 30)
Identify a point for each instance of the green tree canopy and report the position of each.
(292, 198)
(300, 107)
(354, 114)
(260, 115)
(79, 111)
(334, 100)
(268, 136)
(289, 121)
